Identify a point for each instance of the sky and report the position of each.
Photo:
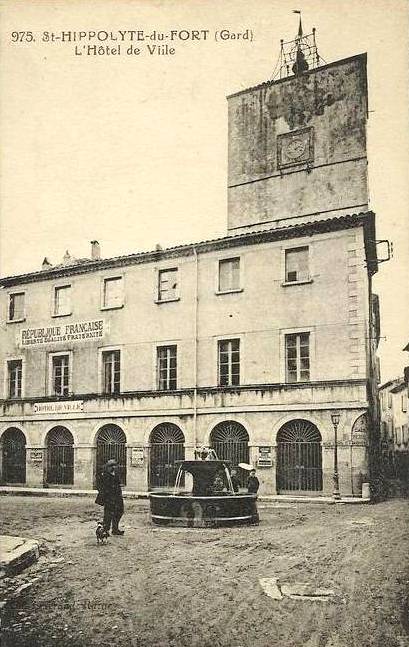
(131, 149)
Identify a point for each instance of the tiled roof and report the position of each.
(246, 238)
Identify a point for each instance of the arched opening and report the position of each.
(167, 445)
(60, 457)
(111, 443)
(230, 441)
(14, 456)
(299, 458)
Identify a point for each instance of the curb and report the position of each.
(66, 493)
(63, 493)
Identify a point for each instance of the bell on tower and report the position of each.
(300, 64)
(299, 55)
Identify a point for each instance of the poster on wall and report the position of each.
(137, 456)
(265, 456)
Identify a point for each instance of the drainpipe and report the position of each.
(195, 347)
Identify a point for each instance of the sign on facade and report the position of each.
(59, 407)
(137, 457)
(265, 457)
(71, 332)
(36, 455)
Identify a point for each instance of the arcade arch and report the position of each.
(230, 441)
(59, 444)
(299, 458)
(13, 448)
(166, 446)
(111, 443)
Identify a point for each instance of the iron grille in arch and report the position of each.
(60, 436)
(13, 436)
(111, 443)
(14, 456)
(299, 458)
(230, 441)
(167, 447)
(60, 457)
(167, 432)
(299, 431)
(111, 435)
(229, 432)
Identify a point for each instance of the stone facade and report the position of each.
(235, 342)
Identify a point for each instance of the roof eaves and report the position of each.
(246, 238)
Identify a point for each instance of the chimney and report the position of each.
(158, 248)
(66, 258)
(46, 264)
(95, 250)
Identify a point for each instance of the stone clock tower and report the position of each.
(297, 146)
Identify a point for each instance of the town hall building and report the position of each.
(260, 344)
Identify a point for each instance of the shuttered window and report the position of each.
(62, 300)
(297, 265)
(229, 274)
(113, 292)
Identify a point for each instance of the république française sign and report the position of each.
(70, 332)
(72, 406)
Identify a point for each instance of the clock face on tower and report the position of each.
(295, 148)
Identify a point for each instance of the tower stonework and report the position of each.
(297, 147)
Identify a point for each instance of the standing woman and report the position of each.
(110, 496)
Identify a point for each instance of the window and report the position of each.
(404, 403)
(390, 400)
(398, 435)
(111, 367)
(60, 375)
(405, 436)
(113, 292)
(15, 374)
(16, 306)
(229, 362)
(168, 285)
(229, 274)
(297, 357)
(296, 265)
(167, 368)
(62, 300)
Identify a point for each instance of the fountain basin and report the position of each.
(202, 507)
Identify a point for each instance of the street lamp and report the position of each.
(335, 416)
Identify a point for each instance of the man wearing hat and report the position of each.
(110, 496)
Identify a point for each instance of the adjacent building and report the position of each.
(248, 343)
(394, 399)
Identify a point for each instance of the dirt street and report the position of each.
(159, 587)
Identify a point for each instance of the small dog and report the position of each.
(101, 533)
